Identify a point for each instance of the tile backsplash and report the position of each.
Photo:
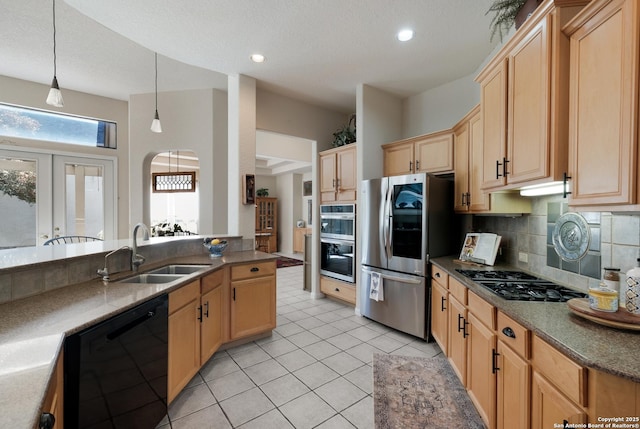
(615, 242)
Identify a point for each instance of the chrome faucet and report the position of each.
(136, 259)
(105, 271)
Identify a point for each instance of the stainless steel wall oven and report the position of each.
(337, 241)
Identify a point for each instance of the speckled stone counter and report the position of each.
(592, 345)
(32, 330)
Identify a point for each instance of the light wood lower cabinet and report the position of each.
(440, 315)
(214, 314)
(184, 337)
(513, 387)
(338, 289)
(54, 401)
(458, 338)
(549, 406)
(298, 239)
(253, 299)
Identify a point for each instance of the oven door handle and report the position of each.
(395, 278)
(333, 241)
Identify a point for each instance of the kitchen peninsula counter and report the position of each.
(32, 330)
(589, 344)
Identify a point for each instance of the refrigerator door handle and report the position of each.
(395, 279)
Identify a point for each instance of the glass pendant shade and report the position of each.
(156, 127)
(55, 96)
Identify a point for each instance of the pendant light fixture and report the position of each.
(55, 96)
(155, 124)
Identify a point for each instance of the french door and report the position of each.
(46, 195)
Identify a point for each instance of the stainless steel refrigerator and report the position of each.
(405, 221)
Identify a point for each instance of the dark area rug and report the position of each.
(284, 262)
(414, 392)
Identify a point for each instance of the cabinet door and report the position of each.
(462, 167)
(347, 179)
(398, 159)
(211, 330)
(184, 347)
(513, 387)
(493, 101)
(549, 406)
(603, 107)
(253, 306)
(439, 315)
(434, 154)
(54, 401)
(328, 173)
(528, 107)
(478, 200)
(458, 330)
(481, 377)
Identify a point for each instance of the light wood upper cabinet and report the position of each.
(604, 95)
(431, 153)
(338, 179)
(524, 102)
(467, 138)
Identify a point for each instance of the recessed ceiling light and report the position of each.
(405, 35)
(257, 58)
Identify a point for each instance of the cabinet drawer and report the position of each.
(249, 271)
(569, 377)
(513, 334)
(441, 276)
(458, 290)
(482, 310)
(212, 281)
(184, 295)
(338, 289)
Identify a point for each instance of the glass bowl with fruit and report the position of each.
(215, 246)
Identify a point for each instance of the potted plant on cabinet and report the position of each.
(345, 135)
(509, 13)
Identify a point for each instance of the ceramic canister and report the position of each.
(633, 295)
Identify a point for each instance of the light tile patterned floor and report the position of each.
(313, 372)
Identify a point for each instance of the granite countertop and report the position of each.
(587, 343)
(32, 330)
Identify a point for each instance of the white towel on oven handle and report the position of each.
(376, 288)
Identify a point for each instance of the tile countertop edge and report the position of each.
(30, 333)
(587, 343)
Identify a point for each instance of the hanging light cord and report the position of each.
(54, 38)
(156, 80)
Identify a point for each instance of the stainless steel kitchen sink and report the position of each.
(178, 269)
(152, 278)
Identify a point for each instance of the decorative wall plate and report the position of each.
(571, 236)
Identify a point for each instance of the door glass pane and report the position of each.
(84, 202)
(17, 203)
(407, 220)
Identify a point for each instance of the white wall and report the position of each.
(191, 120)
(31, 94)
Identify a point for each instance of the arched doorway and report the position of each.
(175, 194)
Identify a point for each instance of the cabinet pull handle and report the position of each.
(498, 164)
(464, 197)
(494, 361)
(410, 166)
(417, 165)
(254, 269)
(206, 311)
(565, 179)
(442, 300)
(437, 275)
(505, 161)
(465, 334)
(47, 421)
(460, 318)
(200, 313)
(468, 199)
(509, 332)
(234, 294)
(337, 290)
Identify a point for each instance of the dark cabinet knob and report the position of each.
(509, 332)
(47, 420)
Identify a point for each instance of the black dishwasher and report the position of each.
(116, 370)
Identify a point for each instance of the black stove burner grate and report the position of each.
(520, 286)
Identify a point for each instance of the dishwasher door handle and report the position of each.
(129, 326)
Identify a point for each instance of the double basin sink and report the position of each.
(166, 274)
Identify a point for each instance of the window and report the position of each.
(28, 123)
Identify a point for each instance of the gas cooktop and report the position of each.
(520, 286)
